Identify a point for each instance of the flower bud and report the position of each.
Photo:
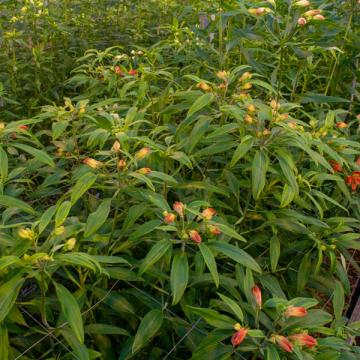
(121, 164)
(303, 340)
(335, 166)
(248, 119)
(209, 213)
(302, 21)
(311, 13)
(283, 342)
(142, 153)
(251, 108)
(179, 208)
(295, 311)
(222, 86)
(203, 86)
(245, 76)
(247, 86)
(319, 17)
(116, 146)
(169, 218)
(341, 125)
(133, 72)
(256, 292)
(237, 327)
(59, 230)
(302, 3)
(92, 163)
(70, 244)
(195, 236)
(23, 127)
(118, 71)
(274, 105)
(27, 234)
(214, 230)
(238, 337)
(144, 171)
(2, 125)
(223, 75)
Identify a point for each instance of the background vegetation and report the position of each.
(179, 179)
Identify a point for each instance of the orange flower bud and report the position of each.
(116, 146)
(284, 343)
(302, 3)
(245, 76)
(118, 71)
(302, 21)
(256, 292)
(169, 218)
(179, 208)
(203, 86)
(239, 337)
(23, 127)
(92, 163)
(319, 17)
(144, 171)
(312, 12)
(295, 311)
(195, 236)
(214, 230)
(335, 165)
(266, 132)
(209, 213)
(222, 86)
(248, 119)
(223, 75)
(247, 86)
(133, 72)
(121, 164)
(358, 161)
(303, 340)
(251, 108)
(142, 153)
(341, 125)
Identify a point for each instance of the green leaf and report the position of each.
(79, 259)
(272, 353)
(105, 329)
(213, 318)
(71, 311)
(274, 252)
(97, 218)
(46, 218)
(200, 103)
(259, 169)
(144, 229)
(62, 213)
(39, 155)
(238, 255)
(234, 307)
(9, 201)
(6, 261)
(230, 232)
(8, 294)
(179, 276)
(149, 326)
(155, 254)
(246, 144)
(4, 343)
(210, 262)
(338, 300)
(81, 186)
(3, 165)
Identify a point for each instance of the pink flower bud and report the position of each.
(195, 236)
(239, 337)
(179, 208)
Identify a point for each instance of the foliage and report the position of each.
(186, 190)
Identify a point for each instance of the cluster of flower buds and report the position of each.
(121, 73)
(245, 86)
(286, 344)
(193, 234)
(353, 180)
(337, 167)
(250, 109)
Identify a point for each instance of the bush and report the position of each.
(189, 197)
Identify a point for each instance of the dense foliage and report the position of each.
(179, 179)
